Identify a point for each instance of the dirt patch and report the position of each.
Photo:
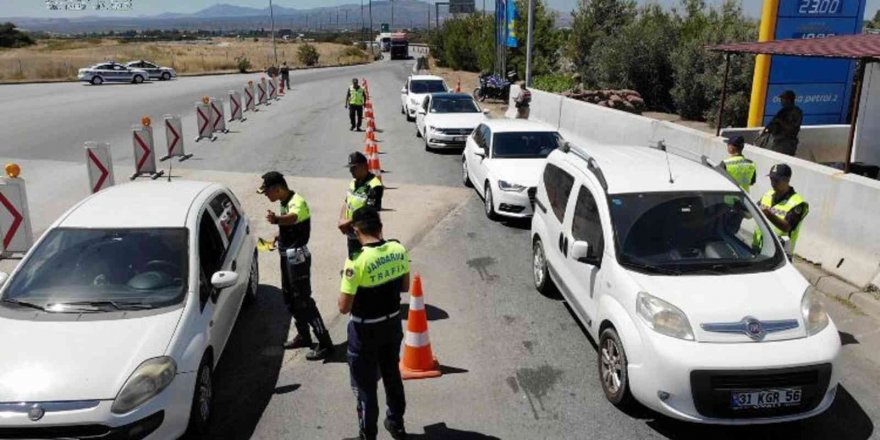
(468, 82)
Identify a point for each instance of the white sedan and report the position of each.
(114, 321)
(445, 120)
(413, 93)
(503, 160)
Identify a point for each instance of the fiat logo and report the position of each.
(36, 413)
(754, 329)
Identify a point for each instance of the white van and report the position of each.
(694, 316)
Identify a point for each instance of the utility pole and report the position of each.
(363, 27)
(392, 15)
(274, 47)
(530, 43)
(372, 52)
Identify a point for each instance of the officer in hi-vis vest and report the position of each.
(294, 229)
(372, 281)
(742, 170)
(354, 102)
(783, 207)
(365, 189)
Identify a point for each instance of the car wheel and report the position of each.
(540, 272)
(478, 95)
(402, 110)
(465, 178)
(97, 81)
(166, 76)
(250, 297)
(418, 132)
(613, 373)
(203, 401)
(138, 79)
(489, 203)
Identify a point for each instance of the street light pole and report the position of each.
(392, 14)
(372, 52)
(274, 47)
(530, 43)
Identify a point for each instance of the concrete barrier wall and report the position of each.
(819, 143)
(841, 231)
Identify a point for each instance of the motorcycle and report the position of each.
(494, 86)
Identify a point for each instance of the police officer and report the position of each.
(355, 98)
(365, 189)
(742, 170)
(294, 228)
(783, 206)
(372, 281)
(285, 75)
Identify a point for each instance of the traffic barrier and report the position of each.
(250, 101)
(15, 220)
(418, 359)
(219, 123)
(144, 151)
(262, 98)
(204, 115)
(174, 139)
(236, 111)
(100, 166)
(273, 88)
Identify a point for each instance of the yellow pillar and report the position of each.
(762, 64)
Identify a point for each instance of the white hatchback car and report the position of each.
(503, 160)
(693, 315)
(413, 93)
(445, 120)
(113, 322)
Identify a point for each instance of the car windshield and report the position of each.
(525, 145)
(454, 105)
(427, 86)
(93, 270)
(706, 232)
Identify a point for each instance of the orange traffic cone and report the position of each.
(281, 88)
(371, 133)
(369, 114)
(368, 105)
(374, 165)
(418, 360)
(458, 86)
(371, 122)
(371, 147)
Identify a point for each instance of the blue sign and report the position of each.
(822, 85)
(512, 16)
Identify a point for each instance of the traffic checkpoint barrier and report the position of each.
(219, 122)
(16, 235)
(250, 101)
(100, 166)
(418, 360)
(262, 97)
(204, 122)
(273, 88)
(236, 111)
(144, 151)
(174, 139)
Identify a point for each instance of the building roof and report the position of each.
(843, 46)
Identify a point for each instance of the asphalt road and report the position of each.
(517, 365)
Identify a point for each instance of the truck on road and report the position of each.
(399, 46)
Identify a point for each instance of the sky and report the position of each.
(37, 8)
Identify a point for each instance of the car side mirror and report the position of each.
(486, 111)
(580, 251)
(786, 245)
(4, 277)
(403, 91)
(224, 279)
(423, 111)
(480, 152)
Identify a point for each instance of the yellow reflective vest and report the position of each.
(780, 210)
(742, 170)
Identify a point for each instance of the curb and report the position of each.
(834, 287)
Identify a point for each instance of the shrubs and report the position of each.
(554, 82)
(12, 37)
(307, 55)
(243, 64)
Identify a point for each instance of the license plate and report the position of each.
(757, 399)
(459, 138)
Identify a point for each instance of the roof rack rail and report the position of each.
(701, 158)
(592, 165)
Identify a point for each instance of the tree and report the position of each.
(593, 20)
(547, 41)
(12, 37)
(464, 43)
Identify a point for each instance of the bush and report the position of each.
(243, 64)
(554, 82)
(12, 37)
(307, 54)
(464, 43)
(353, 52)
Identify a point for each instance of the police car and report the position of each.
(114, 321)
(112, 72)
(693, 316)
(154, 70)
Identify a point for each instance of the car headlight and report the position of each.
(148, 380)
(512, 187)
(663, 318)
(815, 316)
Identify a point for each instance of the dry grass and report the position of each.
(60, 59)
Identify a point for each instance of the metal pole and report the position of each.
(437, 15)
(392, 15)
(363, 27)
(723, 94)
(372, 51)
(855, 114)
(274, 47)
(530, 43)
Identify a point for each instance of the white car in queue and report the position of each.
(414, 90)
(445, 120)
(114, 321)
(696, 310)
(503, 159)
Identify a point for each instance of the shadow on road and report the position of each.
(440, 431)
(434, 313)
(524, 224)
(847, 338)
(845, 420)
(446, 151)
(247, 375)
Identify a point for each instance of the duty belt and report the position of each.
(357, 320)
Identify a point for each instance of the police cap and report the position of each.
(356, 158)
(737, 141)
(780, 171)
(271, 179)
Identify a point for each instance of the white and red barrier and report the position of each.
(273, 88)
(250, 99)
(174, 138)
(144, 151)
(100, 166)
(219, 115)
(236, 109)
(16, 236)
(262, 92)
(205, 120)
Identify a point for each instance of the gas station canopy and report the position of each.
(843, 46)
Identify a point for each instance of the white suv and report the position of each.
(414, 91)
(694, 315)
